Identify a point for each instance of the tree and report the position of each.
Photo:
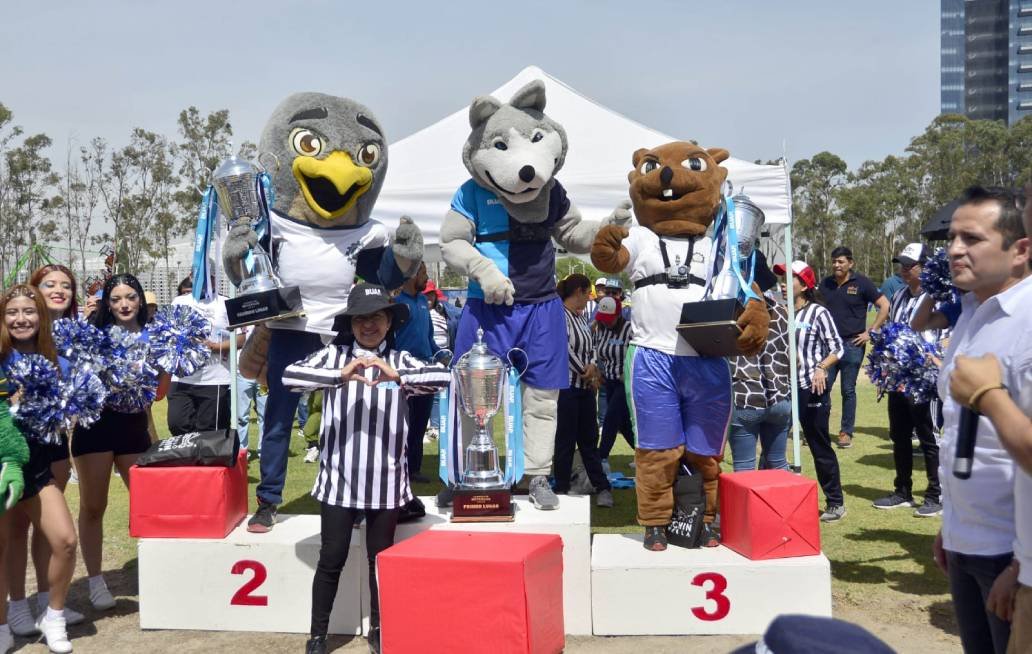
(10, 243)
(31, 179)
(204, 143)
(814, 184)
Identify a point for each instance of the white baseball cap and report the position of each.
(601, 281)
(911, 254)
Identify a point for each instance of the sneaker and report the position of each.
(316, 645)
(263, 520)
(833, 513)
(894, 501)
(710, 538)
(580, 485)
(101, 599)
(19, 618)
(444, 497)
(604, 499)
(845, 441)
(6, 642)
(55, 632)
(541, 495)
(312, 455)
(929, 509)
(655, 539)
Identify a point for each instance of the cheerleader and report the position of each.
(26, 330)
(57, 285)
(362, 442)
(118, 438)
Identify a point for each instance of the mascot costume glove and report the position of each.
(14, 454)
(499, 232)
(680, 402)
(331, 160)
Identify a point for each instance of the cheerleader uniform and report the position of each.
(362, 464)
(116, 431)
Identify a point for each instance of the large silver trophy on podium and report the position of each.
(482, 494)
(261, 296)
(711, 326)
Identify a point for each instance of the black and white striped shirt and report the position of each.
(610, 349)
(904, 306)
(580, 346)
(362, 462)
(816, 338)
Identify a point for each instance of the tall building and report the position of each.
(986, 58)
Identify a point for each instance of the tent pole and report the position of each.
(793, 369)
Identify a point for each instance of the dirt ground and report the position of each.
(908, 624)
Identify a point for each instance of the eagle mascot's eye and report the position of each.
(648, 166)
(694, 163)
(369, 155)
(305, 142)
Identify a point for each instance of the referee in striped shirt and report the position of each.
(612, 333)
(362, 441)
(818, 346)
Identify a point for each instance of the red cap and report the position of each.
(432, 288)
(608, 311)
(800, 270)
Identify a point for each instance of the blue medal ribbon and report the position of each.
(207, 217)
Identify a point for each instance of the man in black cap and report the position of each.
(907, 416)
(847, 295)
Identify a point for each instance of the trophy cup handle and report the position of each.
(264, 166)
(526, 361)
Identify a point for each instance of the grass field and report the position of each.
(881, 560)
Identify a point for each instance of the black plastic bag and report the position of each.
(685, 529)
(219, 447)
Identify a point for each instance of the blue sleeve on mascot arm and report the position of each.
(465, 201)
(377, 266)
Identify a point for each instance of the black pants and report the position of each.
(337, 523)
(577, 428)
(419, 408)
(971, 577)
(814, 413)
(905, 418)
(617, 418)
(194, 407)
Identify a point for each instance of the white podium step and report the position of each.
(702, 591)
(246, 582)
(571, 521)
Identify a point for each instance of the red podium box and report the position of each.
(496, 593)
(769, 514)
(187, 501)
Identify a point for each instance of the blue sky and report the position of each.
(859, 79)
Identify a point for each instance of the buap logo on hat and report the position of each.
(911, 254)
(373, 291)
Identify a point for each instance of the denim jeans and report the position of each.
(248, 394)
(285, 347)
(849, 366)
(770, 427)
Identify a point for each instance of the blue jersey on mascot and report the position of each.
(331, 157)
(499, 232)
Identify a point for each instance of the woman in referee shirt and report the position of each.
(818, 346)
(362, 440)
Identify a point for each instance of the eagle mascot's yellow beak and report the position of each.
(331, 186)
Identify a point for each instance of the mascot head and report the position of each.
(515, 150)
(675, 188)
(332, 157)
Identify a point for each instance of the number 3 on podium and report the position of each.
(715, 594)
(243, 596)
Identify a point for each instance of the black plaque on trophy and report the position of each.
(482, 505)
(711, 326)
(260, 306)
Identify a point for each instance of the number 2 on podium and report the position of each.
(715, 594)
(243, 596)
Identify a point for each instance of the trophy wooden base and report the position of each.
(482, 505)
(711, 326)
(263, 306)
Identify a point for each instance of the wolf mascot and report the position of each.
(680, 401)
(331, 155)
(499, 232)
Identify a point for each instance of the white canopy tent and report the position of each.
(425, 169)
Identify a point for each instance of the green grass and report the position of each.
(877, 556)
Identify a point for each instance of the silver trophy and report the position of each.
(481, 380)
(749, 220)
(261, 295)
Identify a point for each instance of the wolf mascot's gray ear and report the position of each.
(482, 108)
(531, 96)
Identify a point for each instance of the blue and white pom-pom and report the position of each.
(39, 412)
(131, 380)
(900, 360)
(937, 281)
(79, 342)
(177, 334)
(84, 395)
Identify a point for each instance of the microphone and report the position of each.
(965, 452)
